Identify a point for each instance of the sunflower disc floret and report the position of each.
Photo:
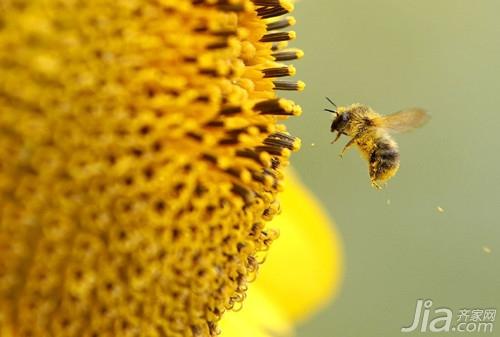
(140, 157)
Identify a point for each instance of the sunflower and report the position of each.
(301, 273)
(141, 155)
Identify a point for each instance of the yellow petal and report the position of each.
(302, 270)
(304, 266)
(259, 317)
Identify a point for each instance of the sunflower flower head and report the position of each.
(140, 156)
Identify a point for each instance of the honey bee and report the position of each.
(371, 133)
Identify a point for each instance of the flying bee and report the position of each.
(371, 133)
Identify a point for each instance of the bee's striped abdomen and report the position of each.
(384, 159)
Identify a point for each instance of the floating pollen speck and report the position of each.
(487, 249)
(440, 209)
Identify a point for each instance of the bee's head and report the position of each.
(340, 121)
(341, 117)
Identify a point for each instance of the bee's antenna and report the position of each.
(332, 103)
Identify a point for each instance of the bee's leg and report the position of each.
(375, 185)
(336, 138)
(353, 139)
(373, 172)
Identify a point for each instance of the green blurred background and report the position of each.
(390, 54)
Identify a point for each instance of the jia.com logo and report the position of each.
(441, 320)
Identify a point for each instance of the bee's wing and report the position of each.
(404, 120)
